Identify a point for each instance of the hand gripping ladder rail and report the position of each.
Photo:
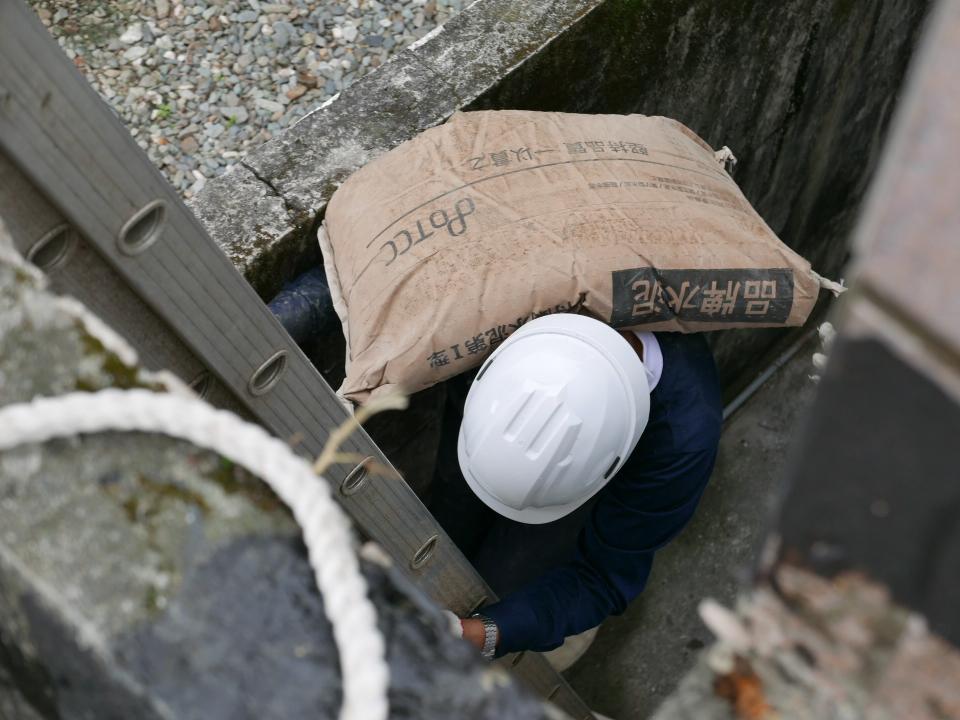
(85, 204)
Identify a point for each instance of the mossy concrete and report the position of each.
(144, 577)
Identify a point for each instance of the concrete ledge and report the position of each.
(264, 213)
(259, 232)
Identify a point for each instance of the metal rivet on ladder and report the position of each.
(143, 229)
(517, 658)
(553, 693)
(423, 555)
(51, 250)
(356, 478)
(201, 384)
(265, 377)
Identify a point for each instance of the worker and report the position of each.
(566, 461)
(582, 451)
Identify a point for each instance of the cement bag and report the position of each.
(441, 248)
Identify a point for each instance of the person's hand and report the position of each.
(473, 631)
(470, 629)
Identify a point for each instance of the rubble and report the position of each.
(806, 648)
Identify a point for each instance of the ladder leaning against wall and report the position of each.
(87, 206)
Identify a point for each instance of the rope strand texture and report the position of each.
(365, 675)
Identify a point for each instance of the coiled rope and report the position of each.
(365, 675)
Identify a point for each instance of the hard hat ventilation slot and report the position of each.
(483, 370)
(612, 466)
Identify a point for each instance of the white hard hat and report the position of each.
(552, 415)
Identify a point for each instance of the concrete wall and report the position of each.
(801, 90)
(874, 484)
(871, 514)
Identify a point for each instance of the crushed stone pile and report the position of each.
(201, 82)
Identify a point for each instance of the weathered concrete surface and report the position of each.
(265, 238)
(639, 656)
(802, 90)
(142, 577)
(306, 163)
(906, 245)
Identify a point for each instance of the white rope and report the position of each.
(326, 531)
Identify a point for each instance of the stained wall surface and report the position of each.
(802, 91)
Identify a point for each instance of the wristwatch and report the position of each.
(490, 631)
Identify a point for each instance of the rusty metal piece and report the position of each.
(743, 689)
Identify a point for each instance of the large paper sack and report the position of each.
(441, 248)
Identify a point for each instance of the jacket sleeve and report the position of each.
(643, 508)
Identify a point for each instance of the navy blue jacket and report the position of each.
(641, 509)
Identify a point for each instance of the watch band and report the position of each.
(490, 631)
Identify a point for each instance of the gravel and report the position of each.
(201, 82)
